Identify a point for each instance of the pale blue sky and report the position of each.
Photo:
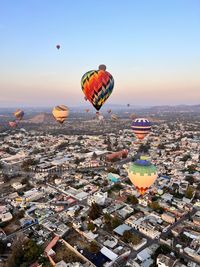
(151, 47)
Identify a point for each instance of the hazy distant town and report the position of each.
(66, 199)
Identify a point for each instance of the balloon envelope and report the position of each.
(141, 127)
(114, 117)
(12, 124)
(142, 174)
(58, 46)
(97, 85)
(60, 113)
(19, 114)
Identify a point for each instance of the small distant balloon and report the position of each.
(12, 124)
(60, 113)
(109, 111)
(133, 116)
(58, 46)
(19, 114)
(87, 110)
(114, 117)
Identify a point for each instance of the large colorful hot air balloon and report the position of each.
(142, 174)
(12, 124)
(141, 127)
(60, 113)
(19, 114)
(97, 85)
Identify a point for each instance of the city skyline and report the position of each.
(151, 49)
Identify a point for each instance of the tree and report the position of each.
(144, 148)
(113, 170)
(190, 179)
(161, 146)
(132, 200)
(185, 158)
(154, 205)
(111, 222)
(94, 155)
(162, 249)
(91, 226)
(2, 247)
(129, 237)
(77, 161)
(31, 251)
(189, 192)
(62, 145)
(107, 218)
(19, 215)
(109, 148)
(115, 222)
(191, 169)
(95, 211)
(93, 247)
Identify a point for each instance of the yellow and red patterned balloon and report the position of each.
(19, 114)
(97, 85)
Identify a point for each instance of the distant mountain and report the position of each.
(178, 108)
(41, 118)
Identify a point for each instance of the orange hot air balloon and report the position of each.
(60, 113)
(142, 174)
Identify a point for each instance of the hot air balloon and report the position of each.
(109, 111)
(12, 124)
(114, 117)
(97, 85)
(133, 116)
(128, 105)
(60, 113)
(19, 114)
(58, 46)
(141, 127)
(85, 98)
(142, 174)
(100, 118)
